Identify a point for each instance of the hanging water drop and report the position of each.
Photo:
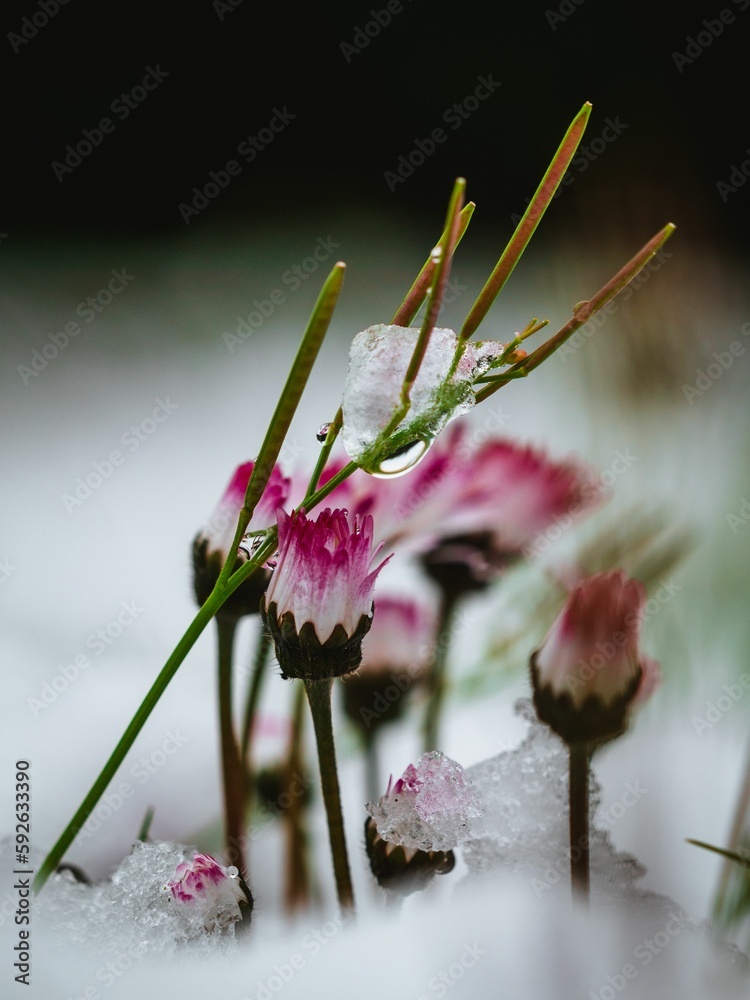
(322, 432)
(403, 459)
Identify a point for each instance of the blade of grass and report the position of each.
(582, 313)
(286, 407)
(418, 291)
(531, 217)
(226, 584)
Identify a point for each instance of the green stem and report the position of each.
(418, 291)
(231, 765)
(319, 697)
(325, 451)
(297, 874)
(579, 820)
(183, 647)
(437, 678)
(228, 581)
(286, 407)
(260, 662)
(583, 312)
(372, 767)
(531, 218)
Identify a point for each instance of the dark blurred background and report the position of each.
(357, 108)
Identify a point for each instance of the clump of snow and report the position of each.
(523, 826)
(429, 808)
(135, 909)
(378, 361)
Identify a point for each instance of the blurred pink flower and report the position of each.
(402, 637)
(589, 669)
(473, 506)
(396, 654)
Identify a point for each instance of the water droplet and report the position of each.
(436, 254)
(403, 460)
(322, 432)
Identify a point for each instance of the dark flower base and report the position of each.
(591, 722)
(301, 654)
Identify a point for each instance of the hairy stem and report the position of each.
(579, 820)
(233, 780)
(319, 697)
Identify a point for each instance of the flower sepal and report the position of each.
(301, 654)
(592, 721)
(400, 869)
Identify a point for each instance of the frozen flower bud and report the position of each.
(589, 671)
(379, 359)
(429, 808)
(319, 603)
(211, 545)
(403, 870)
(395, 655)
(205, 890)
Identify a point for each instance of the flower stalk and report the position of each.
(578, 797)
(233, 778)
(319, 698)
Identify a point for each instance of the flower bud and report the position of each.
(589, 671)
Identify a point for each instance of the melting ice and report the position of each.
(378, 361)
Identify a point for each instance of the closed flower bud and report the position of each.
(211, 545)
(589, 671)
